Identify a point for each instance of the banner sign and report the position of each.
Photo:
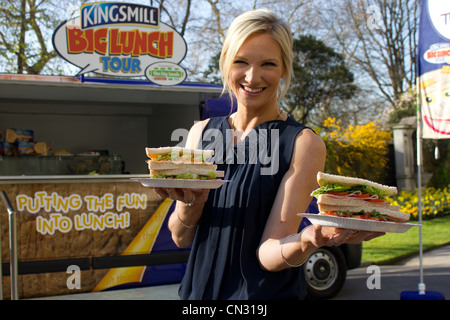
(69, 223)
(122, 39)
(433, 65)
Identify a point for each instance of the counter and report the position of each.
(60, 165)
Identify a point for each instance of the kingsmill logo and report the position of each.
(98, 14)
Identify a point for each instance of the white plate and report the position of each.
(180, 183)
(357, 224)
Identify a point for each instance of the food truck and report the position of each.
(83, 223)
(70, 148)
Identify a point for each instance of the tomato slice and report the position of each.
(375, 200)
(364, 195)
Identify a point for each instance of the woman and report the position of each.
(244, 235)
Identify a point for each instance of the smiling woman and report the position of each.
(254, 76)
(244, 235)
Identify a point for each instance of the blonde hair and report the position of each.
(247, 24)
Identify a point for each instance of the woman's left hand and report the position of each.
(328, 236)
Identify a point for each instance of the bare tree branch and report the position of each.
(385, 52)
(216, 12)
(186, 18)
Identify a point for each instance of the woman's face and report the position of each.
(256, 72)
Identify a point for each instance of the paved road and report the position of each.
(394, 279)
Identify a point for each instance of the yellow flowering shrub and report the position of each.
(359, 151)
(435, 202)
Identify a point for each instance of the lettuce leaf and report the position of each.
(172, 155)
(338, 188)
(330, 188)
(187, 176)
(157, 176)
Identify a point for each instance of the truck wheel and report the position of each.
(325, 272)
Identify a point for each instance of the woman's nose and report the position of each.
(251, 75)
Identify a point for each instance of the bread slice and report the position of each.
(327, 178)
(153, 152)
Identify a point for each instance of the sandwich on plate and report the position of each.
(181, 163)
(356, 198)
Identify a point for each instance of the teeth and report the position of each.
(252, 90)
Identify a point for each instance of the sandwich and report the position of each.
(356, 198)
(181, 163)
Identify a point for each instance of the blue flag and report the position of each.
(433, 65)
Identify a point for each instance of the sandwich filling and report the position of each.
(368, 215)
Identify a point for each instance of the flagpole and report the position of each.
(421, 286)
(428, 39)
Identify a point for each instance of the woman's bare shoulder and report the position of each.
(195, 134)
(309, 142)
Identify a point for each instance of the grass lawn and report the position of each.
(393, 247)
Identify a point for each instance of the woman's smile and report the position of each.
(251, 90)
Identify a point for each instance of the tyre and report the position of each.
(325, 272)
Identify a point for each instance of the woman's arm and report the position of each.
(293, 197)
(281, 245)
(184, 219)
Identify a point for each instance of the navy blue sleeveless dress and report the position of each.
(223, 262)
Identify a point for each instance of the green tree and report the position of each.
(212, 72)
(321, 81)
